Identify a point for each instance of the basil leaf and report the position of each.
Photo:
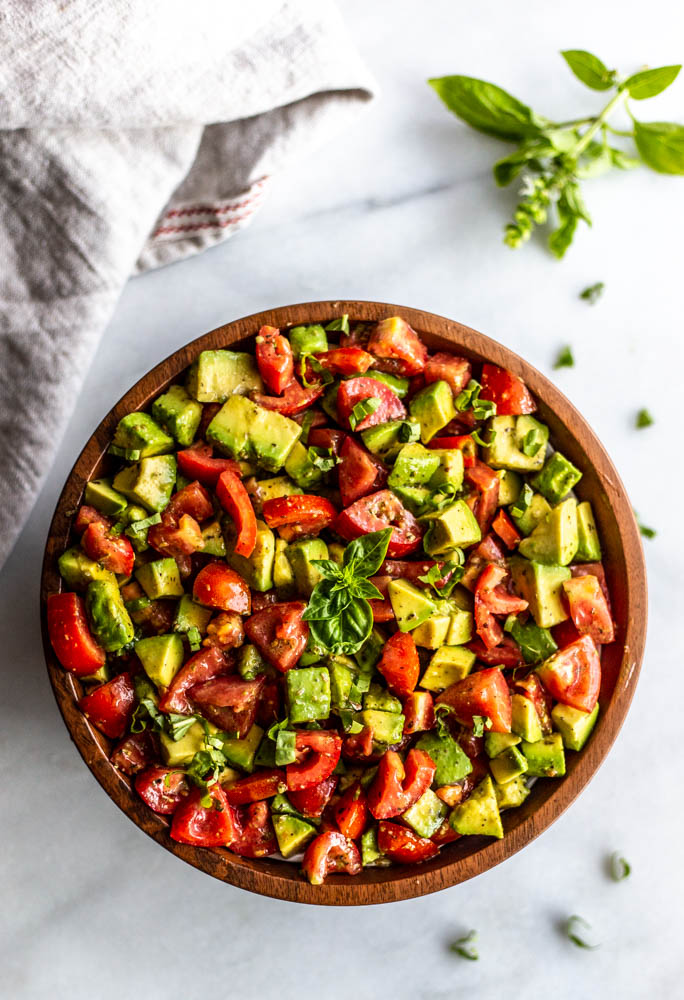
(408, 432)
(644, 418)
(365, 555)
(322, 458)
(478, 439)
(328, 569)
(488, 108)
(561, 238)
(650, 82)
(508, 168)
(589, 69)
(619, 868)
(480, 723)
(341, 323)
(178, 725)
(661, 145)
(564, 360)
(307, 421)
(575, 928)
(593, 293)
(532, 441)
(285, 751)
(450, 572)
(362, 410)
(347, 632)
(465, 946)
(523, 502)
(364, 588)
(327, 600)
(272, 733)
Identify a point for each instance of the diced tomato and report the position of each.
(193, 500)
(465, 444)
(403, 845)
(279, 633)
(202, 666)
(274, 359)
(330, 852)
(327, 437)
(268, 711)
(225, 631)
(593, 569)
(443, 367)
(398, 569)
(588, 608)
(450, 794)
(573, 675)
(263, 600)
(564, 633)
(399, 664)
(295, 398)
(88, 515)
(313, 800)
(351, 812)
(135, 752)
(197, 463)
(234, 499)
(532, 688)
(320, 751)
(359, 472)
(492, 599)
(176, 537)
(358, 746)
(419, 714)
(506, 530)
(316, 513)
(345, 360)
(446, 833)
(162, 788)
(398, 785)
(113, 552)
(255, 837)
(508, 391)
(110, 706)
(394, 339)
(483, 502)
(264, 784)
(382, 609)
(375, 512)
(205, 826)
(483, 693)
(218, 586)
(229, 702)
(71, 638)
(506, 654)
(356, 390)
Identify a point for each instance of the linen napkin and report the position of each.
(133, 134)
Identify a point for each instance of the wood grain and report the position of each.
(624, 564)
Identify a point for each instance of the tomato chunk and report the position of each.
(492, 599)
(200, 667)
(229, 702)
(279, 633)
(197, 463)
(506, 654)
(330, 852)
(359, 472)
(506, 530)
(484, 693)
(274, 359)
(508, 391)
(193, 500)
(255, 837)
(205, 826)
(294, 399)
(351, 812)
(218, 586)
(345, 360)
(356, 390)
(358, 746)
(419, 713)
(399, 664)
(394, 339)
(110, 706)
(375, 512)
(263, 784)
(234, 499)
(320, 751)
(70, 636)
(316, 513)
(443, 367)
(398, 785)
(484, 501)
(465, 444)
(114, 552)
(89, 515)
(382, 609)
(403, 845)
(573, 675)
(588, 608)
(135, 752)
(162, 788)
(313, 800)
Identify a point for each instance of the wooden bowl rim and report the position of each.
(455, 863)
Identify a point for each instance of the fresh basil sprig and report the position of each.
(552, 158)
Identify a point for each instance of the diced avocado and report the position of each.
(214, 544)
(451, 762)
(250, 662)
(554, 541)
(380, 698)
(77, 570)
(557, 478)
(413, 498)
(450, 468)
(588, 544)
(512, 794)
(278, 486)
(525, 720)
(541, 587)
(411, 605)
(149, 482)
(433, 633)
(512, 437)
(301, 556)
(452, 528)
(460, 627)
(336, 553)
(292, 833)
(546, 757)
(139, 432)
(426, 815)
(371, 857)
(386, 440)
(190, 614)
(433, 408)
(300, 467)
(397, 383)
(371, 651)
(415, 465)
(535, 643)
(308, 694)
(496, 743)
(161, 657)
(180, 414)
(176, 753)
(387, 727)
(341, 679)
(308, 339)
(243, 430)
(100, 676)
(508, 765)
(281, 805)
(479, 814)
(109, 621)
(283, 577)
(532, 515)
(160, 578)
(241, 753)
(216, 375)
(448, 665)
(313, 653)
(265, 755)
(329, 400)
(510, 484)
(574, 725)
(100, 495)
(257, 570)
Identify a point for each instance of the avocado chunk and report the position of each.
(426, 815)
(415, 465)
(160, 578)
(250, 662)
(149, 482)
(574, 725)
(371, 856)
(179, 413)
(177, 753)
(541, 586)
(447, 666)
(77, 570)
(387, 727)
(110, 622)
(341, 680)
(535, 643)
(161, 657)
(138, 432)
(452, 528)
(508, 765)
(557, 478)
(190, 614)
(433, 633)
(496, 743)
(301, 556)
(510, 485)
(532, 515)
(241, 753)
(301, 467)
(554, 541)
(214, 543)
(380, 698)
(514, 437)
(451, 762)
(433, 408)
(310, 339)
(414, 498)
(278, 486)
(450, 468)
(588, 545)
(411, 605)
(368, 656)
(545, 757)
(100, 495)
(460, 627)
(216, 375)
(308, 694)
(283, 577)
(241, 429)
(512, 794)
(292, 833)
(525, 720)
(257, 570)
(386, 440)
(479, 814)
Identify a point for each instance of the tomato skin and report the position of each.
(589, 609)
(264, 784)
(316, 513)
(274, 359)
(200, 667)
(593, 569)
(446, 834)
(162, 788)
(465, 444)
(564, 633)
(359, 472)
(110, 706)
(403, 845)
(279, 633)
(255, 837)
(492, 599)
(358, 746)
(215, 826)
(573, 675)
(134, 753)
(218, 586)
(193, 500)
(382, 609)
(399, 664)
(397, 785)
(70, 636)
(506, 530)
(357, 389)
(313, 800)
(234, 499)
(330, 852)
(449, 368)
(351, 812)
(89, 515)
(419, 713)
(321, 751)
(488, 551)
(506, 654)
(378, 511)
(295, 398)
(229, 702)
(508, 391)
(197, 463)
(483, 693)
(483, 502)
(345, 360)
(179, 534)
(327, 437)
(114, 552)
(394, 339)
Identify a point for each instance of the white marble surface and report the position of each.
(402, 209)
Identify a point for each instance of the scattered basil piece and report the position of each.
(307, 421)
(178, 725)
(465, 946)
(565, 359)
(408, 432)
(650, 82)
(478, 439)
(575, 928)
(451, 572)
(272, 733)
(593, 293)
(363, 409)
(620, 868)
(524, 500)
(341, 324)
(480, 723)
(469, 398)
(644, 418)
(532, 442)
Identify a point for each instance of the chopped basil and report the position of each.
(194, 638)
(643, 530)
(475, 435)
(480, 723)
(363, 409)
(469, 398)
(341, 324)
(565, 359)
(644, 419)
(593, 293)
(532, 442)
(575, 928)
(178, 725)
(465, 946)
(452, 571)
(620, 868)
(523, 502)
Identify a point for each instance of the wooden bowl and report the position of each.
(625, 571)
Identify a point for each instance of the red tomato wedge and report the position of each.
(229, 702)
(234, 499)
(375, 512)
(110, 706)
(279, 633)
(397, 785)
(508, 391)
(330, 852)
(483, 693)
(358, 746)
(492, 599)
(205, 826)
(202, 666)
(573, 675)
(295, 398)
(327, 437)
(218, 586)
(313, 800)
(593, 569)
(588, 608)
(394, 339)
(262, 785)
(443, 367)
(506, 654)
(71, 638)
(484, 501)
(351, 812)
(506, 530)
(403, 845)
(255, 837)
(419, 712)
(135, 752)
(274, 359)
(399, 664)
(88, 515)
(533, 689)
(176, 538)
(345, 360)
(162, 788)
(465, 444)
(359, 472)
(488, 551)
(315, 513)
(113, 552)
(193, 500)
(356, 390)
(320, 751)
(382, 609)
(198, 463)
